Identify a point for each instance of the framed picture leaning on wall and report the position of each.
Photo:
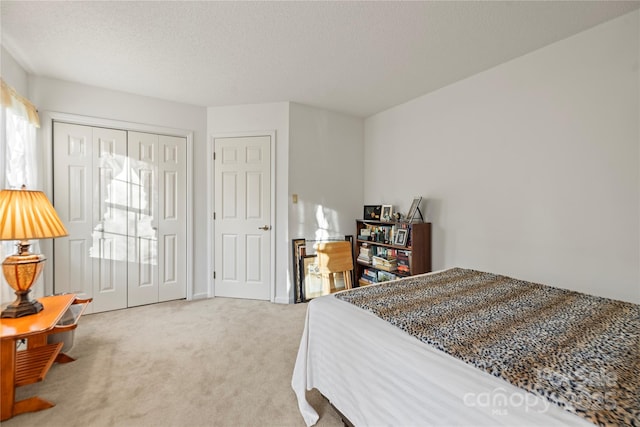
(415, 208)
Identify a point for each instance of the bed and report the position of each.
(416, 352)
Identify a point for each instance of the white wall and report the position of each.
(262, 118)
(325, 172)
(52, 95)
(13, 73)
(532, 168)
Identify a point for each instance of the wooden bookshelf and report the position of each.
(378, 249)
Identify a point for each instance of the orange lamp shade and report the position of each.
(26, 214)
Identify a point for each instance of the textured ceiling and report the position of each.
(354, 57)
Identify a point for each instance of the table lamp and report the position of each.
(25, 215)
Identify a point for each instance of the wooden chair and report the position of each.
(334, 257)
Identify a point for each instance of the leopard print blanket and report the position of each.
(579, 351)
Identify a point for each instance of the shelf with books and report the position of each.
(389, 250)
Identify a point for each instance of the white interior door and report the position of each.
(242, 222)
(88, 196)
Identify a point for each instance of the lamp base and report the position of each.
(21, 306)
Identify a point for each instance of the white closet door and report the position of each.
(172, 217)
(88, 195)
(157, 230)
(122, 196)
(143, 219)
(108, 250)
(72, 174)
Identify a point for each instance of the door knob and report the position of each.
(265, 227)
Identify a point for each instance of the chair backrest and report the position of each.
(334, 257)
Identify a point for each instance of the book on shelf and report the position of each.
(389, 264)
(386, 268)
(365, 254)
(370, 279)
(384, 276)
(403, 269)
(381, 260)
(365, 259)
(370, 274)
(365, 251)
(363, 282)
(404, 261)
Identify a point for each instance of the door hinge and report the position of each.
(214, 274)
(214, 155)
(214, 215)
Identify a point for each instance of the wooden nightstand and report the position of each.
(31, 365)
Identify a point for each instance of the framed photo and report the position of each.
(415, 208)
(401, 237)
(312, 280)
(386, 213)
(372, 212)
(298, 247)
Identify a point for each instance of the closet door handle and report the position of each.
(265, 227)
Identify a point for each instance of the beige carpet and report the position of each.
(216, 362)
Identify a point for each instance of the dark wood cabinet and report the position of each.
(388, 250)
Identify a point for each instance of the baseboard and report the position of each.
(199, 296)
(282, 300)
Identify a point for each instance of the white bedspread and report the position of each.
(376, 374)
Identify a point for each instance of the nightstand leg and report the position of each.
(7, 379)
(31, 404)
(63, 358)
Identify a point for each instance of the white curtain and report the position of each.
(19, 159)
(21, 154)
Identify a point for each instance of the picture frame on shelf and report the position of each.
(387, 213)
(401, 237)
(414, 208)
(372, 212)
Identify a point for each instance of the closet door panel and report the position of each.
(72, 159)
(143, 222)
(172, 213)
(109, 218)
(87, 162)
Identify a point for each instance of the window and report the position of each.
(20, 152)
(18, 161)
